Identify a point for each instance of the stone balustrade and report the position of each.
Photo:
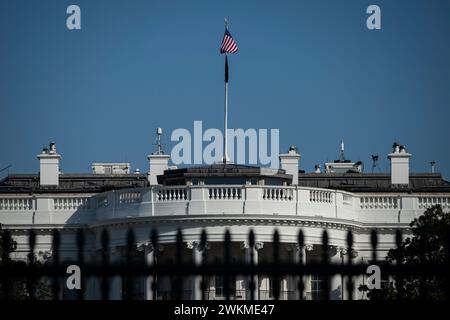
(16, 203)
(320, 196)
(217, 199)
(225, 193)
(425, 202)
(171, 194)
(281, 193)
(68, 203)
(379, 202)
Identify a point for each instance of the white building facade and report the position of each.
(215, 198)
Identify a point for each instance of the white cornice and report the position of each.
(298, 221)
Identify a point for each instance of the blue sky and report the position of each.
(310, 68)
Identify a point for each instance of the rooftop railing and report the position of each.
(217, 199)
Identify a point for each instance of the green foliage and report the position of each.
(7, 245)
(428, 244)
(17, 288)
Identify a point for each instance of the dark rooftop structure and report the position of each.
(224, 174)
(374, 182)
(82, 183)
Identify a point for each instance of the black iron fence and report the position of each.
(130, 269)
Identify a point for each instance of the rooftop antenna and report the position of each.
(5, 168)
(341, 153)
(374, 162)
(158, 143)
(432, 163)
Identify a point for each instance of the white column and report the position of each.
(336, 281)
(248, 251)
(358, 280)
(293, 281)
(307, 278)
(345, 257)
(149, 260)
(115, 283)
(197, 259)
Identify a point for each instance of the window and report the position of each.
(196, 182)
(164, 288)
(273, 182)
(232, 181)
(317, 287)
(220, 287)
(274, 286)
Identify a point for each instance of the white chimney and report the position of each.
(290, 163)
(399, 165)
(49, 166)
(158, 163)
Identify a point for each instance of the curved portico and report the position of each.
(187, 202)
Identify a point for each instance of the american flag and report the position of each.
(228, 43)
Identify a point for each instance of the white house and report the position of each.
(215, 198)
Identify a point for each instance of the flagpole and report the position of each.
(225, 124)
(225, 121)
